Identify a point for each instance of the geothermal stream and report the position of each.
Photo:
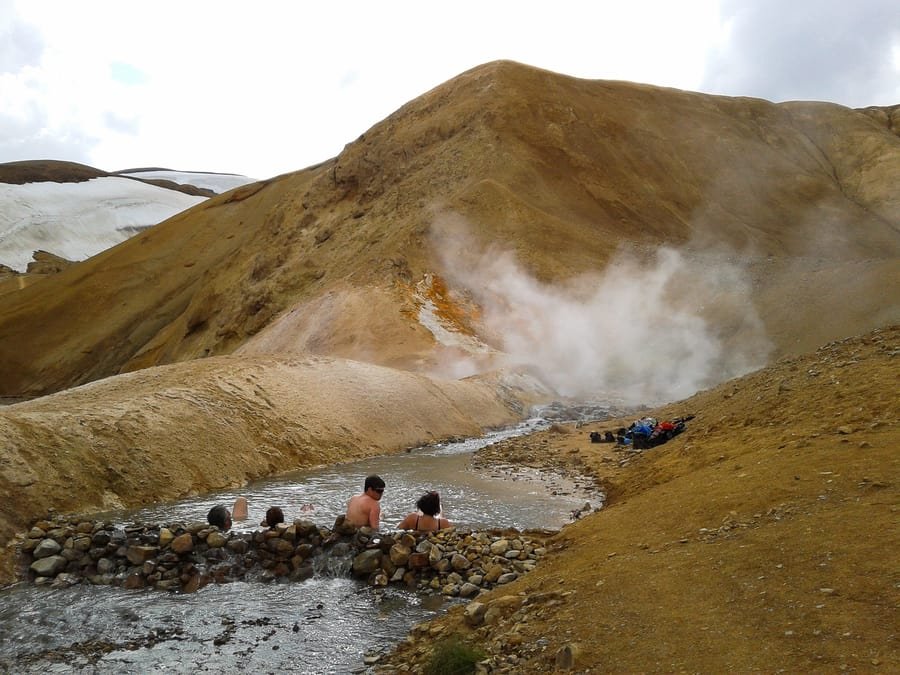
(327, 624)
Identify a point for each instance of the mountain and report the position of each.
(556, 236)
(508, 216)
(75, 211)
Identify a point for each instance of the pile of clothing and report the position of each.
(647, 432)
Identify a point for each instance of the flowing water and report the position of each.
(327, 624)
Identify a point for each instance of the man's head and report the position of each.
(374, 486)
(219, 516)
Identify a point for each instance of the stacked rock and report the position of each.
(187, 556)
(176, 556)
(451, 562)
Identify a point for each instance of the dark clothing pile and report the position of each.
(647, 432)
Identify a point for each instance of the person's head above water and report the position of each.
(375, 484)
(365, 509)
(429, 504)
(428, 516)
(219, 516)
(274, 515)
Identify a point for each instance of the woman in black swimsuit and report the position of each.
(428, 519)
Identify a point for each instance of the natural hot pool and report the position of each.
(327, 624)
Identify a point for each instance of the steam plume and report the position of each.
(638, 331)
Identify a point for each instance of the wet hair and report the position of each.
(218, 516)
(429, 504)
(274, 516)
(373, 481)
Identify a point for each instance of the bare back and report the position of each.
(363, 510)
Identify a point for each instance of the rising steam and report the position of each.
(642, 332)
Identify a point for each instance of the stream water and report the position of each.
(326, 624)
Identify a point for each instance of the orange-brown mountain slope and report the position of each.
(763, 539)
(784, 217)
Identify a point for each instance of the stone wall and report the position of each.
(62, 551)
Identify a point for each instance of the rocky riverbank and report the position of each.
(761, 539)
(61, 551)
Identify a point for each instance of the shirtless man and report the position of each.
(364, 509)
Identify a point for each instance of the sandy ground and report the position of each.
(762, 539)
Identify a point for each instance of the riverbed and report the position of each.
(328, 624)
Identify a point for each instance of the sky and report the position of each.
(266, 88)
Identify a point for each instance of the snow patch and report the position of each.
(78, 220)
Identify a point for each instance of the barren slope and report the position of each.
(762, 539)
(561, 171)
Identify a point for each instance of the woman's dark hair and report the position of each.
(274, 516)
(429, 504)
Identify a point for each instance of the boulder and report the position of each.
(49, 566)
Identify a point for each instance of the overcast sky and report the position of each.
(265, 88)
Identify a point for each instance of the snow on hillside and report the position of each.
(78, 220)
(217, 182)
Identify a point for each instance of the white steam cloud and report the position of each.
(646, 331)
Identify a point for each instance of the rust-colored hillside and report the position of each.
(340, 258)
(762, 539)
(615, 239)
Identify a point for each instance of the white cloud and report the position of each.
(828, 50)
(261, 90)
(20, 43)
